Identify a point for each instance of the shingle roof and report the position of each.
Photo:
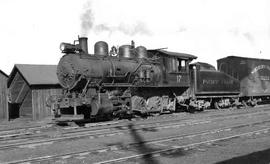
(36, 74)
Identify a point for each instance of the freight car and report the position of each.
(254, 77)
(127, 80)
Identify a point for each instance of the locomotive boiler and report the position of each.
(124, 80)
(76, 71)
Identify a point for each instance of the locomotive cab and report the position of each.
(175, 68)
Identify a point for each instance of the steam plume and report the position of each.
(182, 29)
(131, 30)
(87, 20)
(88, 23)
(249, 37)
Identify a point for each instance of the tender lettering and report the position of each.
(210, 82)
(265, 78)
(227, 82)
(259, 67)
(217, 82)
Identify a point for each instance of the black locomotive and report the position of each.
(133, 80)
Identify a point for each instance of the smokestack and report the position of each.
(83, 44)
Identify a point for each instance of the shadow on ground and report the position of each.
(260, 157)
(142, 148)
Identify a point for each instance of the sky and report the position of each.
(32, 30)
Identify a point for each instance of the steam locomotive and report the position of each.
(133, 80)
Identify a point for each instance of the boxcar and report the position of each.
(253, 74)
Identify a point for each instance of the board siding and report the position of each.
(16, 87)
(39, 97)
(26, 107)
(3, 97)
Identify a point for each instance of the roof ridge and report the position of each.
(3, 73)
(36, 74)
(37, 64)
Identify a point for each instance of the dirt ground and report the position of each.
(247, 149)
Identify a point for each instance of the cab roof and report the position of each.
(173, 54)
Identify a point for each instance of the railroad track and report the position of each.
(31, 129)
(22, 130)
(162, 145)
(92, 135)
(36, 140)
(34, 132)
(25, 130)
(185, 147)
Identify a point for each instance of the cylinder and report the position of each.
(141, 52)
(83, 44)
(101, 48)
(126, 51)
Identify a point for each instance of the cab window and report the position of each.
(178, 65)
(182, 65)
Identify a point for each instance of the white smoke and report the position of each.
(130, 30)
(87, 19)
(88, 23)
(249, 37)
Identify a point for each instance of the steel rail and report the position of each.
(265, 130)
(27, 130)
(153, 141)
(109, 132)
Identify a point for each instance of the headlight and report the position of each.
(69, 48)
(62, 46)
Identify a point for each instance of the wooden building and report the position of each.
(3, 96)
(29, 87)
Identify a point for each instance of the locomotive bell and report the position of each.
(101, 48)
